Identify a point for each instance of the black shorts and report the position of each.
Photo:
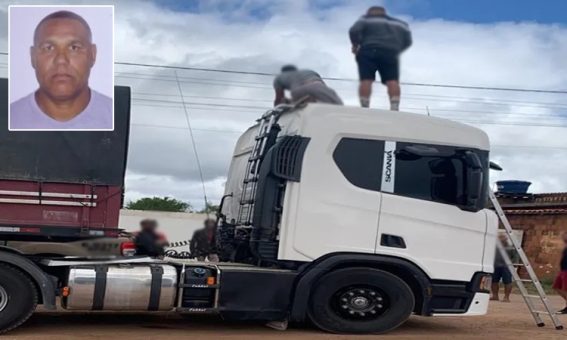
(370, 60)
(502, 273)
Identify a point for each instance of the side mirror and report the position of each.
(494, 166)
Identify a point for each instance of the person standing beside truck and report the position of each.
(204, 244)
(149, 241)
(560, 283)
(377, 41)
(301, 84)
(501, 271)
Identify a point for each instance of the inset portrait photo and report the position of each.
(61, 68)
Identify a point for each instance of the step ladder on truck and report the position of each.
(532, 300)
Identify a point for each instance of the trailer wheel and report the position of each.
(360, 300)
(18, 298)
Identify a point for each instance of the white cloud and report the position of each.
(520, 55)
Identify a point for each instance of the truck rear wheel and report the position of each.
(360, 300)
(18, 298)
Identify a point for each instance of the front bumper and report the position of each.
(478, 306)
(460, 298)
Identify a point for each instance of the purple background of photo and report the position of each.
(23, 21)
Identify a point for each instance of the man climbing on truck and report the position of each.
(301, 84)
(203, 243)
(377, 41)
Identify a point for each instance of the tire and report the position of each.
(360, 300)
(18, 298)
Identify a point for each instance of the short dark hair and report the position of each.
(289, 68)
(376, 9)
(210, 221)
(148, 222)
(63, 15)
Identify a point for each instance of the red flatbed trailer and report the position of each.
(63, 185)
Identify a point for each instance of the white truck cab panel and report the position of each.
(343, 202)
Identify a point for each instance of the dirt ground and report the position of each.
(504, 321)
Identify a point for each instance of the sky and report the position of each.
(504, 43)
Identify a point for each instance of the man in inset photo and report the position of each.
(63, 55)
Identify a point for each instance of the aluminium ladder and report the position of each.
(267, 122)
(524, 262)
(267, 133)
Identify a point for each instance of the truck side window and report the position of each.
(432, 178)
(360, 161)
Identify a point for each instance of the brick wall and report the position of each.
(542, 240)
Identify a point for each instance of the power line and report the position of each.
(455, 111)
(204, 69)
(242, 131)
(194, 146)
(342, 79)
(416, 97)
(199, 103)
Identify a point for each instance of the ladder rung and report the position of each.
(518, 264)
(534, 296)
(527, 280)
(262, 136)
(542, 312)
(251, 180)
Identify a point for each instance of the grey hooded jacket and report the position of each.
(381, 31)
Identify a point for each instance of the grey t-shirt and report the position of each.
(293, 79)
(26, 114)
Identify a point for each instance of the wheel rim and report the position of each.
(360, 303)
(3, 298)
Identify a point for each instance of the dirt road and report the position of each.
(504, 321)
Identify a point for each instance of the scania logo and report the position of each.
(388, 173)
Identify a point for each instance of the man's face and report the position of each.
(62, 57)
(149, 226)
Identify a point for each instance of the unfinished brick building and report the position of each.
(542, 218)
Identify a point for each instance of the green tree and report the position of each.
(159, 204)
(209, 209)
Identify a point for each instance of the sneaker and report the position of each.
(278, 325)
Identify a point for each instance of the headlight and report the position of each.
(485, 283)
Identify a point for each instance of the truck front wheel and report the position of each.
(360, 300)
(18, 298)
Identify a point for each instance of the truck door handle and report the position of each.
(393, 241)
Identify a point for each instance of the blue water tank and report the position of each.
(513, 187)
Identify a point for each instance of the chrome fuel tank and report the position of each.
(121, 287)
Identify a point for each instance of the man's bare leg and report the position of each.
(394, 92)
(364, 92)
(507, 292)
(495, 288)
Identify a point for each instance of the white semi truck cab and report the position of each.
(351, 218)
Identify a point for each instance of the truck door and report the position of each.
(423, 216)
(335, 206)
